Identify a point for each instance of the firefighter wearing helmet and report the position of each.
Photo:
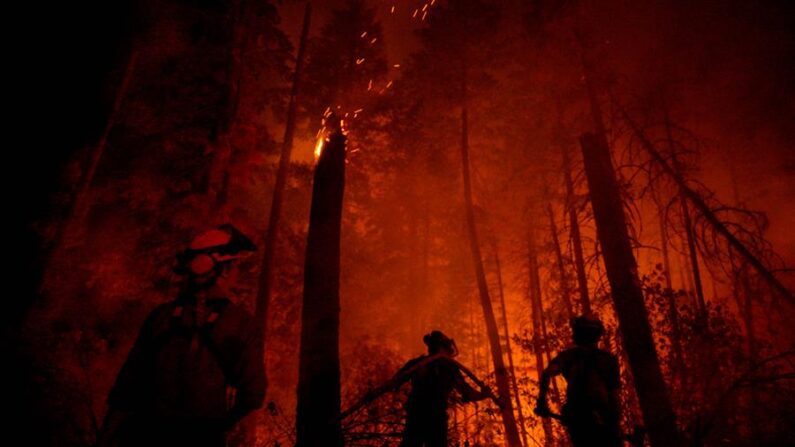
(434, 377)
(196, 368)
(591, 412)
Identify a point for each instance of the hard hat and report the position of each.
(212, 248)
(587, 329)
(437, 339)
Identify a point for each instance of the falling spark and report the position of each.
(392, 10)
(415, 13)
(389, 84)
(359, 61)
(357, 110)
(374, 40)
(424, 14)
(396, 65)
(425, 7)
(370, 85)
(364, 34)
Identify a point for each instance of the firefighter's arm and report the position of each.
(552, 370)
(469, 393)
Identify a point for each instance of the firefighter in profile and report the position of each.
(196, 368)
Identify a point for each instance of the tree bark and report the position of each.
(318, 406)
(622, 274)
(500, 372)
(576, 239)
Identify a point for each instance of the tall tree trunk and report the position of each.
(507, 332)
(576, 239)
(500, 372)
(271, 235)
(622, 274)
(318, 406)
(564, 278)
(535, 305)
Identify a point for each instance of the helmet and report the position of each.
(436, 340)
(212, 249)
(586, 329)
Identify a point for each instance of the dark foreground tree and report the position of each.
(622, 274)
(318, 410)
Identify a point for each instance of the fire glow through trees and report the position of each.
(499, 167)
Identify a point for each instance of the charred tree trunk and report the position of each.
(564, 283)
(318, 408)
(622, 274)
(266, 266)
(500, 372)
(534, 291)
(514, 383)
(576, 239)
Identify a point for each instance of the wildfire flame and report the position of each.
(319, 146)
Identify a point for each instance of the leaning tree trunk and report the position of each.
(80, 205)
(318, 408)
(576, 239)
(500, 372)
(514, 382)
(622, 274)
(564, 283)
(534, 291)
(266, 267)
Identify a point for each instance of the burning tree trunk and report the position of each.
(564, 283)
(576, 239)
(622, 274)
(266, 273)
(318, 409)
(514, 383)
(500, 372)
(534, 291)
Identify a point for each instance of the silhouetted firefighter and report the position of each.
(196, 368)
(433, 378)
(591, 411)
